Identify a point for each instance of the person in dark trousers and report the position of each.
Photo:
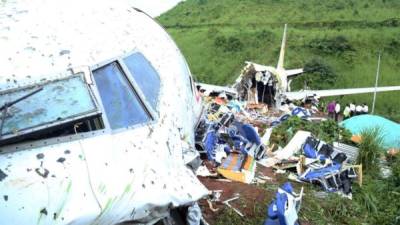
(337, 111)
(352, 109)
(365, 108)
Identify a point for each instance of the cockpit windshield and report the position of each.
(145, 77)
(121, 103)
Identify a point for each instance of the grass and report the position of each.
(370, 150)
(372, 203)
(217, 37)
(253, 31)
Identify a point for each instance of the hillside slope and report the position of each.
(216, 38)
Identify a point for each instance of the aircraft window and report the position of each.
(48, 110)
(145, 76)
(122, 105)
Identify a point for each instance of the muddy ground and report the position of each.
(251, 196)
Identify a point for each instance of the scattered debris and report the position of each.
(210, 205)
(226, 202)
(233, 138)
(284, 209)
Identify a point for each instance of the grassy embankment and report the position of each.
(216, 38)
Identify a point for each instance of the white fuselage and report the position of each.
(108, 175)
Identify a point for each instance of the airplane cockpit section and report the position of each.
(123, 93)
(97, 114)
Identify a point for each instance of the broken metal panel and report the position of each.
(218, 89)
(58, 102)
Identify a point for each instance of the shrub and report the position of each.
(335, 45)
(370, 150)
(394, 162)
(231, 44)
(201, 2)
(220, 41)
(327, 131)
(265, 35)
(393, 47)
(318, 74)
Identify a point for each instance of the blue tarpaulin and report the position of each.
(390, 129)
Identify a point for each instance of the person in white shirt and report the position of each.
(352, 109)
(337, 111)
(346, 112)
(365, 109)
(359, 109)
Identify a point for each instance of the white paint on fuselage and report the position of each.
(111, 176)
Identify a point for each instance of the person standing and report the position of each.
(331, 109)
(337, 111)
(352, 109)
(359, 109)
(365, 108)
(346, 112)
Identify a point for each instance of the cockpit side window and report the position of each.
(54, 108)
(121, 103)
(145, 76)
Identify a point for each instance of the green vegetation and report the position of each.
(319, 75)
(217, 37)
(337, 42)
(328, 131)
(370, 150)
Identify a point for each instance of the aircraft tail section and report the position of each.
(282, 52)
(294, 72)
